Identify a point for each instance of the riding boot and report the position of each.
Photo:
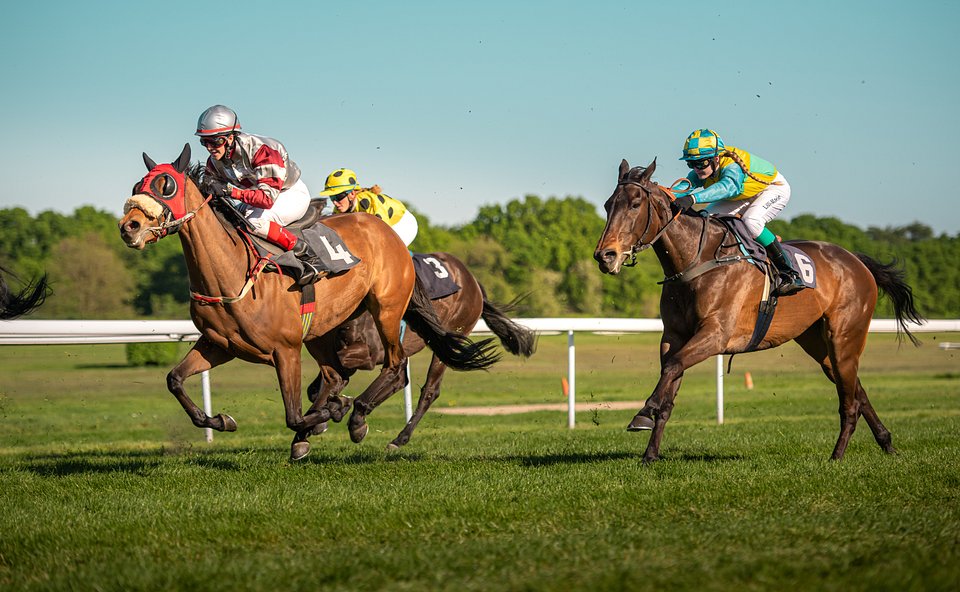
(790, 280)
(311, 263)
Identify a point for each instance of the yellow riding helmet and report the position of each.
(339, 181)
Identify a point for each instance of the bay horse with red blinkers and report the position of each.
(715, 313)
(256, 318)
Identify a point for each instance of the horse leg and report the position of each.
(880, 433)
(287, 363)
(428, 394)
(846, 340)
(676, 357)
(814, 342)
(203, 356)
(392, 377)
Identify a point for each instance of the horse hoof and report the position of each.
(298, 450)
(392, 447)
(319, 429)
(229, 424)
(640, 423)
(338, 407)
(357, 434)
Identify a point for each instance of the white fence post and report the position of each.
(207, 402)
(720, 389)
(572, 381)
(408, 396)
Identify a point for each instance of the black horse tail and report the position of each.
(13, 305)
(516, 339)
(890, 279)
(453, 349)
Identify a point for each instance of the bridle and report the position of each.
(641, 245)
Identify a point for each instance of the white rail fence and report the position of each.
(30, 332)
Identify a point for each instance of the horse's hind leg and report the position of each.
(880, 433)
(428, 394)
(203, 356)
(840, 362)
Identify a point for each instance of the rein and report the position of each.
(640, 245)
(173, 226)
(169, 226)
(252, 274)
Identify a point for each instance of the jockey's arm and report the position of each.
(729, 185)
(268, 166)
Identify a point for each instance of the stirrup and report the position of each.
(789, 285)
(309, 275)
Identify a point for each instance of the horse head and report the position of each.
(633, 217)
(158, 204)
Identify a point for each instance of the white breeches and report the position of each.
(406, 227)
(758, 210)
(290, 206)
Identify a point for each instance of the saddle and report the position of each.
(330, 248)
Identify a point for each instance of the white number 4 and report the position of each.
(338, 254)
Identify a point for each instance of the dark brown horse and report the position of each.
(715, 313)
(16, 304)
(257, 318)
(358, 348)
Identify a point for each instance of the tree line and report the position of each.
(535, 248)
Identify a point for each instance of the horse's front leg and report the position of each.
(203, 356)
(705, 343)
(287, 363)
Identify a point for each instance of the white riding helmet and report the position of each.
(217, 120)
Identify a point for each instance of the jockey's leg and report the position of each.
(760, 210)
(270, 224)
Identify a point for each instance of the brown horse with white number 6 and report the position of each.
(263, 324)
(716, 312)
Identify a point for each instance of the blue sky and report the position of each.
(450, 106)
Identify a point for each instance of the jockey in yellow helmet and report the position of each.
(348, 196)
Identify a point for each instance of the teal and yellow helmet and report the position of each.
(703, 143)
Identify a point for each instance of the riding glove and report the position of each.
(685, 202)
(215, 187)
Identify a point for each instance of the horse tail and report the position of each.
(13, 305)
(453, 349)
(516, 339)
(890, 279)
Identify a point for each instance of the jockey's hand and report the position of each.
(215, 187)
(685, 202)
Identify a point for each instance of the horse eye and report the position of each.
(169, 186)
(635, 204)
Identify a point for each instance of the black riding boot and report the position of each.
(311, 263)
(790, 280)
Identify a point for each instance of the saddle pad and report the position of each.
(750, 247)
(328, 246)
(803, 263)
(434, 275)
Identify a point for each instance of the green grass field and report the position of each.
(105, 484)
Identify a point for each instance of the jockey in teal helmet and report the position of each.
(735, 182)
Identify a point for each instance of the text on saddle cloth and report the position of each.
(326, 243)
(434, 275)
(755, 252)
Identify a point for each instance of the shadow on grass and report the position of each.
(93, 463)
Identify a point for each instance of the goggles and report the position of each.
(213, 141)
(700, 164)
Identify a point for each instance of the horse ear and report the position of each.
(648, 173)
(183, 161)
(149, 162)
(624, 168)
